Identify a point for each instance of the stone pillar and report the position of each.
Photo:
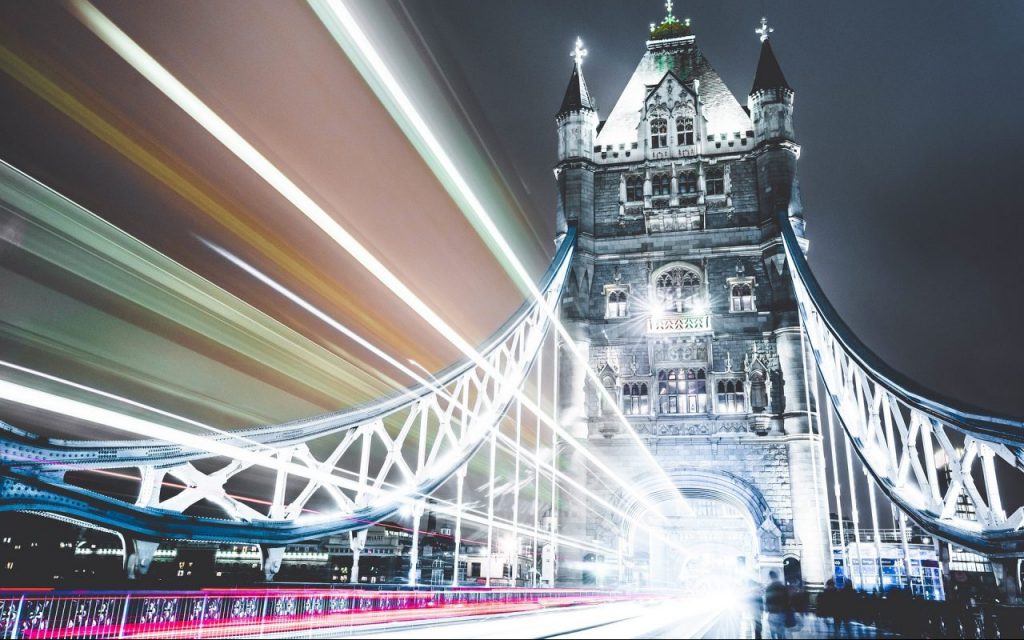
(572, 417)
(414, 551)
(357, 542)
(273, 557)
(806, 462)
(139, 561)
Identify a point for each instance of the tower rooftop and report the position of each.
(769, 73)
(577, 96)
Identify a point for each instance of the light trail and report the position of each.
(113, 396)
(335, 16)
(324, 612)
(77, 241)
(174, 174)
(163, 80)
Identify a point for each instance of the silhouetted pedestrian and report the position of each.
(776, 603)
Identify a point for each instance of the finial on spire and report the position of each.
(668, 7)
(579, 52)
(764, 29)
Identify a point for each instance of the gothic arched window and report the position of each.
(688, 182)
(659, 133)
(741, 297)
(684, 131)
(635, 401)
(679, 290)
(617, 305)
(661, 184)
(634, 188)
(714, 181)
(731, 397)
(683, 391)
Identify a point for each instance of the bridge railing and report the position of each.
(939, 463)
(260, 612)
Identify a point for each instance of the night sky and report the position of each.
(908, 114)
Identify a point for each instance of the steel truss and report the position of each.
(366, 463)
(904, 435)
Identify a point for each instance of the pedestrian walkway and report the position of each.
(810, 627)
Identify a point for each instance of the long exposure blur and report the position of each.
(505, 319)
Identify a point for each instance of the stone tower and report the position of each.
(679, 296)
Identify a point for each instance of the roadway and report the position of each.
(668, 618)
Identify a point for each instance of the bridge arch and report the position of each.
(761, 553)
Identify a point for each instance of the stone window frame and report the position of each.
(740, 281)
(638, 404)
(624, 291)
(661, 184)
(685, 137)
(658, 129)
(682, 395)
(708, 181)
(688, 176)
(725, 379)
(635, 188)
(701, 300)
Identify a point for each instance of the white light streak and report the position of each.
(335, 16)
(163, 80)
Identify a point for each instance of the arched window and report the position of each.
(659, 133)
(714, 181)
(741, 297)
(634, 188)
(682, 391)
(661, 184)
(679, 290)
(731, 397)
(688, 182)
(635, 401)
(684, 131)
(617, 305)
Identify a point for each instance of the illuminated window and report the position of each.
(635, 399)
(679, 290)
(714, 181)
(661, 184)
(731, 397)
(634, 188)
(617, 305)
(659, 133)
(684, 131)
(741, 297)
(688, 182)
(683, 391)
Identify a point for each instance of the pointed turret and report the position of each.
(769, 73)
(771, 98)
(577, 129)
(577, 97)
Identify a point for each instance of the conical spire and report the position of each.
(577, 96)
(769, 74)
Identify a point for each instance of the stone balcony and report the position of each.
(679, 323)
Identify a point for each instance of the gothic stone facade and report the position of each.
(680, 297)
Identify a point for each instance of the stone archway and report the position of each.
(756, 554)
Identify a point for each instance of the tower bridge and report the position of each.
(664, 397)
